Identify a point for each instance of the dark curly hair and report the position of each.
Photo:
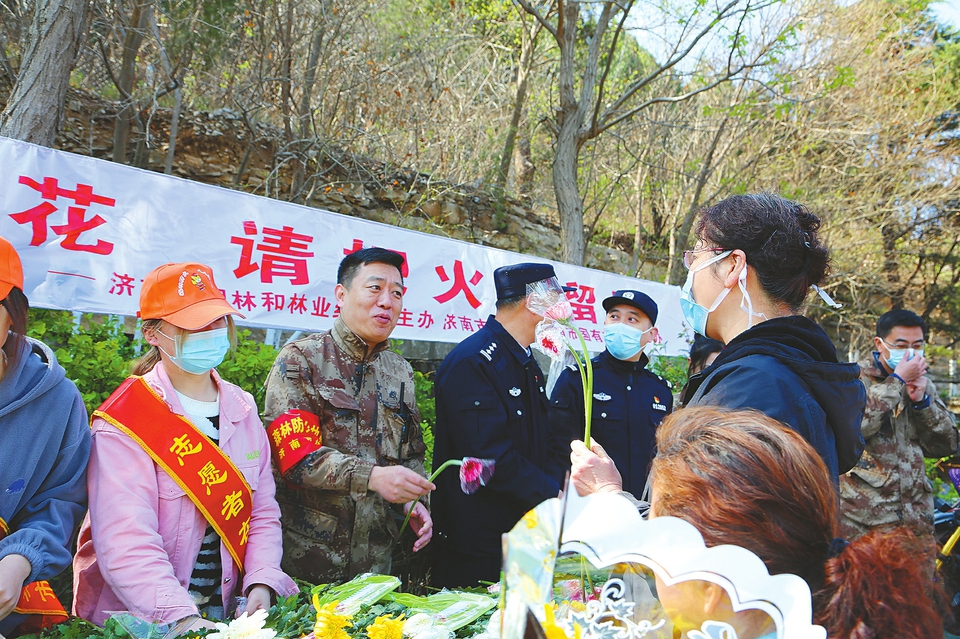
(779, 237)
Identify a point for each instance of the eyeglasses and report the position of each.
(689, 256)
(915, 346)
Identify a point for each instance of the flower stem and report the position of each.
(413, 504)
(587, 388)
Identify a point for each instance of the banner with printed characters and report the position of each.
(89, 231)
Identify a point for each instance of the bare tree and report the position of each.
(35, 107)
(585, 62)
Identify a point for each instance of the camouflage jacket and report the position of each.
(333, 526)
(889, 485)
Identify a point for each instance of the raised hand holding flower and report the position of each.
(474, 473)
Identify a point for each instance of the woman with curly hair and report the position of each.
(744, 479)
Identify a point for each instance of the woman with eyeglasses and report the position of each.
(756, 259)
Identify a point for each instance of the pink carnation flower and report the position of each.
(475, 473)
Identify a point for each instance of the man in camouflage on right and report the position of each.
(904, 421)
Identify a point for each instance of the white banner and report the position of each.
(89, 231)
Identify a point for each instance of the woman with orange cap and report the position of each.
(44, 449)
(181, 491)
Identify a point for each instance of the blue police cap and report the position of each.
(512, 280)
(640, 301)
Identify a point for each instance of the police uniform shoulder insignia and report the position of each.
(488, 351)
(602, 397)
(515, 392)
(572, 367)
(658, 405)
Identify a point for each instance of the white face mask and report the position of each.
(746, 304)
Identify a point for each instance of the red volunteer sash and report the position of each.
(189, 457)
(37, 600)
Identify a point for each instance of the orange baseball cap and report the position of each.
(183, 294)
(11, 269)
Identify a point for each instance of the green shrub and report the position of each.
(428, 413)
(97, 355)
(249, 366)
(673, 369)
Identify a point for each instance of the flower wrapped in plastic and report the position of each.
(386, 627)
(330, 623)
(474, 473)
(548, 298)
(245, 627)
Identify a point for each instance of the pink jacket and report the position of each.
(139, 541)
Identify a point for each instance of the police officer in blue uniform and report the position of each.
(491, 404)
(629, 401)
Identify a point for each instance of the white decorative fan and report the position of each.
(606, 530)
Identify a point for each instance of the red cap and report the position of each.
(183, 294)
(11, 269)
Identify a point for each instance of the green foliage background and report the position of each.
(97, 355)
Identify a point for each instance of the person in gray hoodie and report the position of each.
(44, 450)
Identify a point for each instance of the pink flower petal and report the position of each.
(475, 473)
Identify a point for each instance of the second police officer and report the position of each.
(628, 400)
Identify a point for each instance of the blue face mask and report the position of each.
(897, 355)
(693, 313)
(201, 352)
(623, 341)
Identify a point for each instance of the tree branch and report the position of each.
(669, 64)
(532, 10)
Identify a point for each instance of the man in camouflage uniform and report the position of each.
(336, 502)
(904, 422)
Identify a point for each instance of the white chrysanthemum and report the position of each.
(436, 632)
(245, 627)
(493, 625)
(417, 624)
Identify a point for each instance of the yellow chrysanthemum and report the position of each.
(550, 626)
(330, 623)
(386, 627)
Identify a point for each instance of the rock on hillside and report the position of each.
(229, 149)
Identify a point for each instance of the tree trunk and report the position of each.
(570, 119)
(304, 111)
(639, 184)
(128, 75)
(569, 204)
(527, 42)
(177, 95)
(35, 106)
(524, 168)
(891, 263)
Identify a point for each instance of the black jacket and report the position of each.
(490, 404)
(787, 368)
(629, 402)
